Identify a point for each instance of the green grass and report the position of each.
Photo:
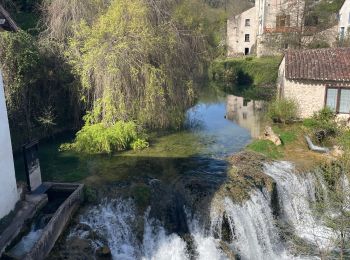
(246, 70)
(287, 136)
(267, 148)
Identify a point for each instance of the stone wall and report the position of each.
(236, 31)
(8, 186)
(262, 29)
(329, 36)
(309, 95)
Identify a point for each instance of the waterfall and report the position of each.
(296, 195)
(252, 226)
(254, 234)
(248, 229)
(114, 221)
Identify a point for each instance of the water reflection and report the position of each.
(246, 113)
(199, 149)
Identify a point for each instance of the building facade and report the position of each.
(344, 20)
(249, 32)
(8, 187)
(242, 32)
(316, 79)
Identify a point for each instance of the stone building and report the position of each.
(315, 79)
(344, 20)
(248, 32)
(8, 187)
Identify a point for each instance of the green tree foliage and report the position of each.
(137, 60)
(120, 60)
(99, 138)
(37, 88)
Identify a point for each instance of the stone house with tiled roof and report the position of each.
(315, 79)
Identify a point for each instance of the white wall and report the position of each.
(8, 187)
(344, 17)
(237, 29)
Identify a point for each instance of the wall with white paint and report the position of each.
(238, 28)
(344, 19)
(8, 186)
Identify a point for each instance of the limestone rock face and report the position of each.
(270, 135)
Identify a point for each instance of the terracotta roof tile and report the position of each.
(319, 64)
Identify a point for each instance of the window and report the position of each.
(246, 51)
(331, 99)
(247, 22)
(349, 19)
(338, 99)
(344, 102)
(246, 38)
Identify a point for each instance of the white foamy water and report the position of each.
(26, 243)
(114, 221)
(296, 194)
(252, 227)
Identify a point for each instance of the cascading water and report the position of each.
(114, 221)
(296, 195)
(252, 226)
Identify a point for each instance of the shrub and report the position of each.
(240, 71)
(283, 110)
(344, 140)
(98, 138)
(139, 144)
(323, 124)
(325, 114)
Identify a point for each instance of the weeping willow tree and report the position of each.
(136, 59)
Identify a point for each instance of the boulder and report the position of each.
(270, 135)
(104, 252)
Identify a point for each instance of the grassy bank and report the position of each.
(324, 130)
(235, 74)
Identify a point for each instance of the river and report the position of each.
(161, 203)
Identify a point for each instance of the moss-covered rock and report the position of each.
(245, 174)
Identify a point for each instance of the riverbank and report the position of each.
(293, 148)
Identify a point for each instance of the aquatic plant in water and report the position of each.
(99, 138)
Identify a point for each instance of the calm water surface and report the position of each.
(217, 126)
